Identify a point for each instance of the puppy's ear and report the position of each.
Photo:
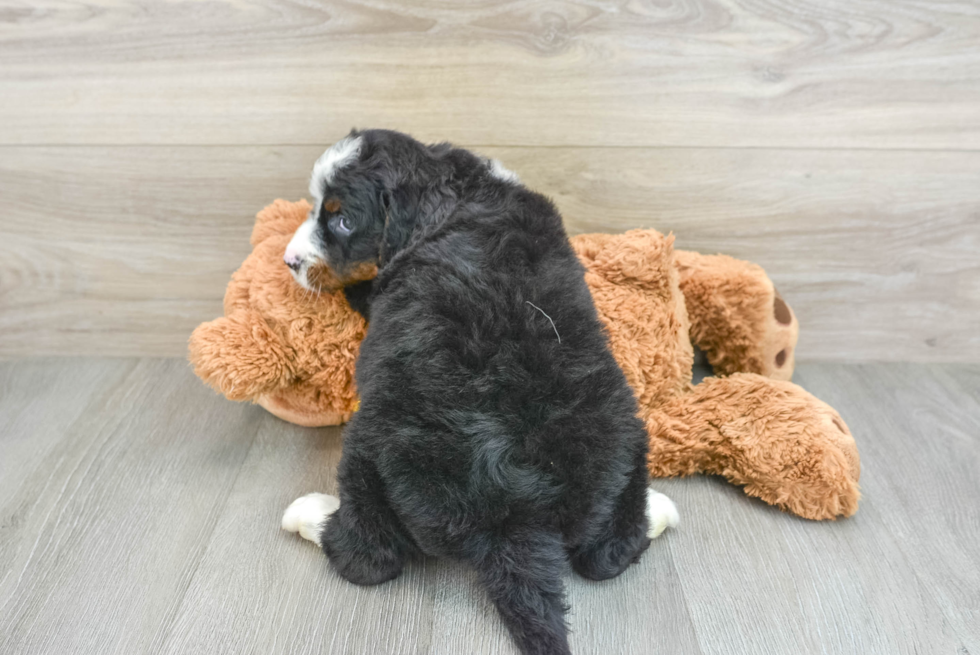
(401, 207)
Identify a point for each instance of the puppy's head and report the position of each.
(338, 242)
(370, 190)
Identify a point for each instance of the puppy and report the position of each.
(495, 427)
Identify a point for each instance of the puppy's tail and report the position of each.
(522, 574)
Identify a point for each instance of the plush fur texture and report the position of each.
(743, 323)
(781, 443)
(788, 448)
(495, 426)
(650, 316)
(278, 344)
(293, 351)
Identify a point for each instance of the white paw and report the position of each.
(307, 514)
(661, 512)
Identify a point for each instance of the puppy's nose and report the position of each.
(292, 260)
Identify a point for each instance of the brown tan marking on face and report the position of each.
(331, 206)
(322, 277)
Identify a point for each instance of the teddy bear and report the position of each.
(293, 352)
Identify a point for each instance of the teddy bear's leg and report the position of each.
(634, 284)
(781, 443)
(241, 359)
(737, 317)
(640, 514)
(306, 404)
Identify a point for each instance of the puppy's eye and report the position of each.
(341, 225)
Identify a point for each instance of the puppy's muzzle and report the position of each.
(293, 261)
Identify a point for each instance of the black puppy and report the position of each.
(495, 426)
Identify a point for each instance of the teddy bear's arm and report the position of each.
(737, 317)
(240, 357)
(781, 443)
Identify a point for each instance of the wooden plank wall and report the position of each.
(836, 143)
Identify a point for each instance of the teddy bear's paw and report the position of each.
(307, 514)
(661, 512)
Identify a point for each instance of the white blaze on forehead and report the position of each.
(336, 157)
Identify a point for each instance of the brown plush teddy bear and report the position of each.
(293, 352)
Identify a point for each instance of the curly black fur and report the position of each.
(495, 426)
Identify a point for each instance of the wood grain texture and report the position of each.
(933, 467)
(260, 590)
(124, 250)
(870, 73)
(836, 144)
(148, 521)
(31, 426)
(884, 581)
(102, 537)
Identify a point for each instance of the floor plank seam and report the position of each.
(897, 578)
(167, 631)
(59, 506)
(687, 602)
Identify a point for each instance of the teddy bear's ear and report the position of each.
(281, 217)
(638, 258)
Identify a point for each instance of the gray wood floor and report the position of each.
(139, 513)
